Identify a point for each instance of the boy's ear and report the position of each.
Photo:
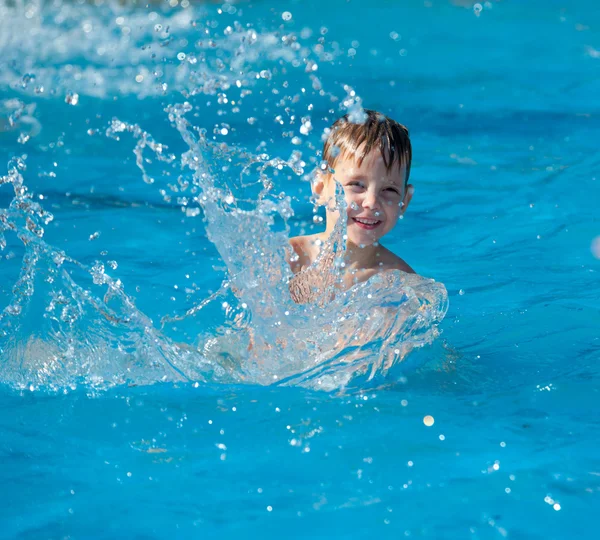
(408, 194)
(317, 186)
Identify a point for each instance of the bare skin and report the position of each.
(375, 198)
(360, 266)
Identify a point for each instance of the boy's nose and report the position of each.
(370, 201)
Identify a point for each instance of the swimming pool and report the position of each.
(501, 100)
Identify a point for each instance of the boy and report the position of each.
(371, 161)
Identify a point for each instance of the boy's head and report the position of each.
(371, 160)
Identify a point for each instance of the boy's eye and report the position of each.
(358, 185)
(391, 191)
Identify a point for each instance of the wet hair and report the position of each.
(350, 138)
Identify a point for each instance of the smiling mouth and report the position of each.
(368, 224)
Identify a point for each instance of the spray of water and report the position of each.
(68, 324)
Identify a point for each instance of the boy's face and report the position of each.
(375, 198)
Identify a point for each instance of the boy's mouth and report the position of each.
(365, 223)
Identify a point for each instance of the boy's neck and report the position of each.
(358, 257)
(362, 257)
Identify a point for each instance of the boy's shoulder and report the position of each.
(388, 260)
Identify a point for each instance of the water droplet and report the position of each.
(286, 16)
(72, 98)
(27, 78)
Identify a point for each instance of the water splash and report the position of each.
(333, 336)
(56, 333)
(106, 49)
(67, 324)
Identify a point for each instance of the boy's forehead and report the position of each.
(372, 164)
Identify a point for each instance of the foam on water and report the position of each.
(68, 324)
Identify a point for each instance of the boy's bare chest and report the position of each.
(318, 282)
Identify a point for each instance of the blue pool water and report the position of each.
(110, 427)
